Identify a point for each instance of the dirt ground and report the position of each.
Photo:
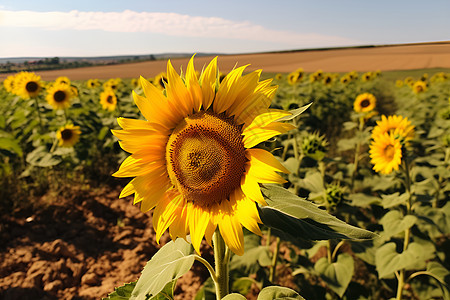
(383, 58)
(80, 247)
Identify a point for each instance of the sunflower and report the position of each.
(108, 100)
(160, 81)
(385, 153)
(113, 84)
(191, 158)
(366, 76)
(62, 80)
(8, 83)
(59, 95)
(93, 83)
(397, 125)
(68, 135)
(365, 102)
(27, 85)
(134, 82)
(419, 87)
(399, 83)
(278, 76)
(294, 77)
(327, 79)
(346, 79)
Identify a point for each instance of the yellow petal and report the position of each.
(128, 189)
(208, 80)
(266, 118)
(164, 213)
(177, 92)
(231, 229)
(180, 227)
(193, 85)
(257, 135)
(247, 212)
(228, 90)
(267, 158)
(251, 189)
(198, 222)
(132, 167)
(157, 110)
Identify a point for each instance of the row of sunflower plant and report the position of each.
(208, 155)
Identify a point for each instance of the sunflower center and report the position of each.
(31, 87)
(59, 96)
(66, 134)
(109, 99)
(365, 103)
(389, 152)
(206, 158)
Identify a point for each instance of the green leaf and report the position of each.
(393, 223)
(278, 292)
(11, 145)
(337, 275)
(233, 296)
(388, 260)
(167, 292)
(363, 200)
(171, 262)
(295, 113)
(122, 292)
(304, 220)
(394, 199)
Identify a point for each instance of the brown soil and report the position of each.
(79, 247)
(383, 58)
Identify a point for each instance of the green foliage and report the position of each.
(338, 274)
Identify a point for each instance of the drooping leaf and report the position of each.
(304, 220)
(394, 222)
(337, 275)
(295, 113)
(388, 260)
(234, 296)
(278, 292)
(122, 292)
(171, 262)
(394, 199)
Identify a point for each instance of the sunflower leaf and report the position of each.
(171, 262)
(337, 275)
(295, 113)
(279, 292)
(301, 219)
(122, 293)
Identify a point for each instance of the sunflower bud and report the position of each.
(314, 145)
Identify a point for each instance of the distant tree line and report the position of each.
(56, 63)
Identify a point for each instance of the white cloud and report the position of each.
(172, 24)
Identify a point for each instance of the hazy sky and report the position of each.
(95, 28)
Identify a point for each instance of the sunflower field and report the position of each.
(305, 185)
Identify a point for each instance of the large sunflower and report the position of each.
(394, 124)
(59, 95)
(364, 103)
(386, 153)
(108, 100)
(27, 85)
(191, 157)
(68, 135)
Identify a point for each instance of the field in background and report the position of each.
(383, 58)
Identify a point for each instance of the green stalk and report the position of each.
(401, 277)
(222, 258)
(39, 114)
(357, 151)
(273, 267)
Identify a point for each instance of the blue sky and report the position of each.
(94, 28)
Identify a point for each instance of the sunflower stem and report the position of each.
(39, 114)
(357, 152)
(208, 266)
(222, 258)
(401, 277)
(273, 267)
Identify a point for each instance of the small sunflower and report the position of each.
(295, 77)
(68, 135)
(62, 80)
(113, 84)
(346, 79)
(396, 125)
(93, 83)
(365, 102)
(191, 157)
(59, 95)
(278, 76)
(8, 83)
(27, 85)
(367, 76)
(108, 100)
(134, 82)
(399, 83)
(419, 87)
(160, 81)
(385, 153)
(327, 79)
